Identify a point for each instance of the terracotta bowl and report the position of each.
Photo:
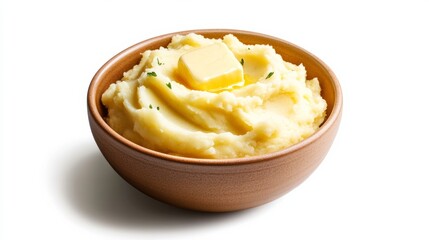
(206, 184)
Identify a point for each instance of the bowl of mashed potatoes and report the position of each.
(214, 120)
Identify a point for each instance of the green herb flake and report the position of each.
(157, 108)
(269, 75)
(242, 62)
(248, 48)
(159, 63)
(152, 74)
(168, 85)
(150, 106)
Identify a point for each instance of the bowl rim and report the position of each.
(98, 119)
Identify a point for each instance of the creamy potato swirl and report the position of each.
(276, 108)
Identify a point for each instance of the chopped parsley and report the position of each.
(159, 63)
(168, 85)
(152, 74)
(269, 75)
(151, 107)
(242, 61)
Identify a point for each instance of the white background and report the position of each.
(374, 183)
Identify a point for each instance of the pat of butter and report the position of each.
(211, 68)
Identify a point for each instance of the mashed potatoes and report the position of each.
(155, 107)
